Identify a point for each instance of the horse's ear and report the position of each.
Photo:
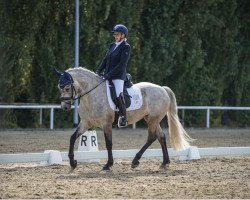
(56, 72)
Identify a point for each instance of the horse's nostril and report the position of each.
(64, 107)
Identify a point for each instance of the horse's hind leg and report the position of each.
(162, 139)
(151, 138)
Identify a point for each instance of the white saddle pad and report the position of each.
(134, 92)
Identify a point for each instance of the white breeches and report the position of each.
(119, 84)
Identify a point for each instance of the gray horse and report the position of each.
(94, 111)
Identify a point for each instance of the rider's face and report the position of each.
(118, 36)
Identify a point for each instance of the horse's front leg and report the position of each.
(108, 140)
(76, 134)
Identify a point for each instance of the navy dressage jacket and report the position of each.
(115, 61)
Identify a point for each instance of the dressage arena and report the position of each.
(210, 178)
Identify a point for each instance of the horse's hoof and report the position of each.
(106, 167)
(73, 164)
(164, 166)
(135, 164)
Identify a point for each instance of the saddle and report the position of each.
(127, 84)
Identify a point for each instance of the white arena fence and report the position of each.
(51, 157)
(52, 108)
(88, 152)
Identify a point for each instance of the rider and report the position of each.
(114, 66)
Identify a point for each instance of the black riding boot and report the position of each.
(122, 120)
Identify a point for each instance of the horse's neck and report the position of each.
(86, 80)
(88, 84)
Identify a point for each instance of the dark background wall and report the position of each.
(199, 48)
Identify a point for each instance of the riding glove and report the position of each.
(106, 76)
(98, 72)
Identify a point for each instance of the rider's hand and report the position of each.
(106, 76)
(98, 72)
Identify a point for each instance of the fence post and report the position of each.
(41, 117)
(52, 118)
(208, 119)
(134, 126)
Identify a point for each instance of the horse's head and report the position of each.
(67, 89)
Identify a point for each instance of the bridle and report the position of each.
(73, 92)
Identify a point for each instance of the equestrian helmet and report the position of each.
(120, 28)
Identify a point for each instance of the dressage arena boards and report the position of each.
(213, 177)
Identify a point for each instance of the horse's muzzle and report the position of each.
(66, 106)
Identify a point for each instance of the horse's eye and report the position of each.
(67, 89)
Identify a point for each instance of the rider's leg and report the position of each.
(122, 121)
(119, 84)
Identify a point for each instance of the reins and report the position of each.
(74, 91)
(89, 90)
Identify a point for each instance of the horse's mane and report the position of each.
(82, 71)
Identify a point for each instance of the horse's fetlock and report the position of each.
(164, 165)
(110, 163)
(73, 164)
(107, 166)
(135, 163)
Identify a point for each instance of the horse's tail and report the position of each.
(179, 138)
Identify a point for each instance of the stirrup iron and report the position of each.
(122, 122)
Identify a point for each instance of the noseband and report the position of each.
(73, 95)
(69, 81)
